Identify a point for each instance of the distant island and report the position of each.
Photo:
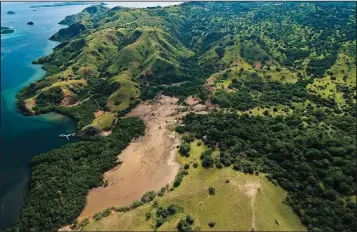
(255, 101)
(6, 30)
(68, 4)
(10, 12)
(30, 23)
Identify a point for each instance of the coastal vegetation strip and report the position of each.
(280, 84)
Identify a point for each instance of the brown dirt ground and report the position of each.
(30, 103)
(258, 65)
(98, 113)
(148, 162)
(66, 99)
(191, 101)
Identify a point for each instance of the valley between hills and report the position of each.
(199, 116)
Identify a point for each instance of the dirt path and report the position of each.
(148, 163)
(250, 189)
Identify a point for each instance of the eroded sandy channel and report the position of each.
(148, 163)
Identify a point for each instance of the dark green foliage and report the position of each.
(271, 93)
(299, 159)
(161, 192)
(185, 224)
(100, 215)
(212, 224)
(317, 67)
(148, 215)
(60, 179)
(219, 165)
(178, 178)
(52, 96)
(211, 190)
(185, 149)
(192, 87)
(149, 196)
(220, 52)
(207, 160)
(136, 204)
(164, 213)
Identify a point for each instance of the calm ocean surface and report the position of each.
(24, 137)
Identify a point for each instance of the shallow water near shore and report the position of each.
(23, 137)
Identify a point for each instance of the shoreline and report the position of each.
(25, 46)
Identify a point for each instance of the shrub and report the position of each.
(149, 196)
(187, 166)
(107, 212)
(148, 215)
(207, 162)
(105, 183)
(161, 192)
(219, 165)
(212, 224)
(178, 179)
(136, 204)
(185, 149)
(211, 190)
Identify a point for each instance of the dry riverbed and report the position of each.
(148, 163)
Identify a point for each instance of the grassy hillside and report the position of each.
(280, 75)
(146, 48)
(247, 202)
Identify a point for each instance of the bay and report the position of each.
(23, 137)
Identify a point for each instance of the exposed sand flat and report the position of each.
(148, 162)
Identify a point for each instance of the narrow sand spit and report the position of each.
(148, 162)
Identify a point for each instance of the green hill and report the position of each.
(281, 75)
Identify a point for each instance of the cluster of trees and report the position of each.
(46, 98)
(318, 66)
(270, 93)
(60, 179)
(192, 87)
(316, 168)
(163, 214)
(185, 224)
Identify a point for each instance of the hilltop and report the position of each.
(268, 88)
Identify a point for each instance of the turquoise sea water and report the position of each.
(24, 137)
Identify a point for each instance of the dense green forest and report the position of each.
(316, 167)
(294, 61)
(60, 179)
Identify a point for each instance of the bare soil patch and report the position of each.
(30, 103)
(258, 65)
(191, 101)
(148, 162)
(98, 113)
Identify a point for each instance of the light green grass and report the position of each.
(232, 207)
(326, 88)
(127, 92)
(104, 121)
